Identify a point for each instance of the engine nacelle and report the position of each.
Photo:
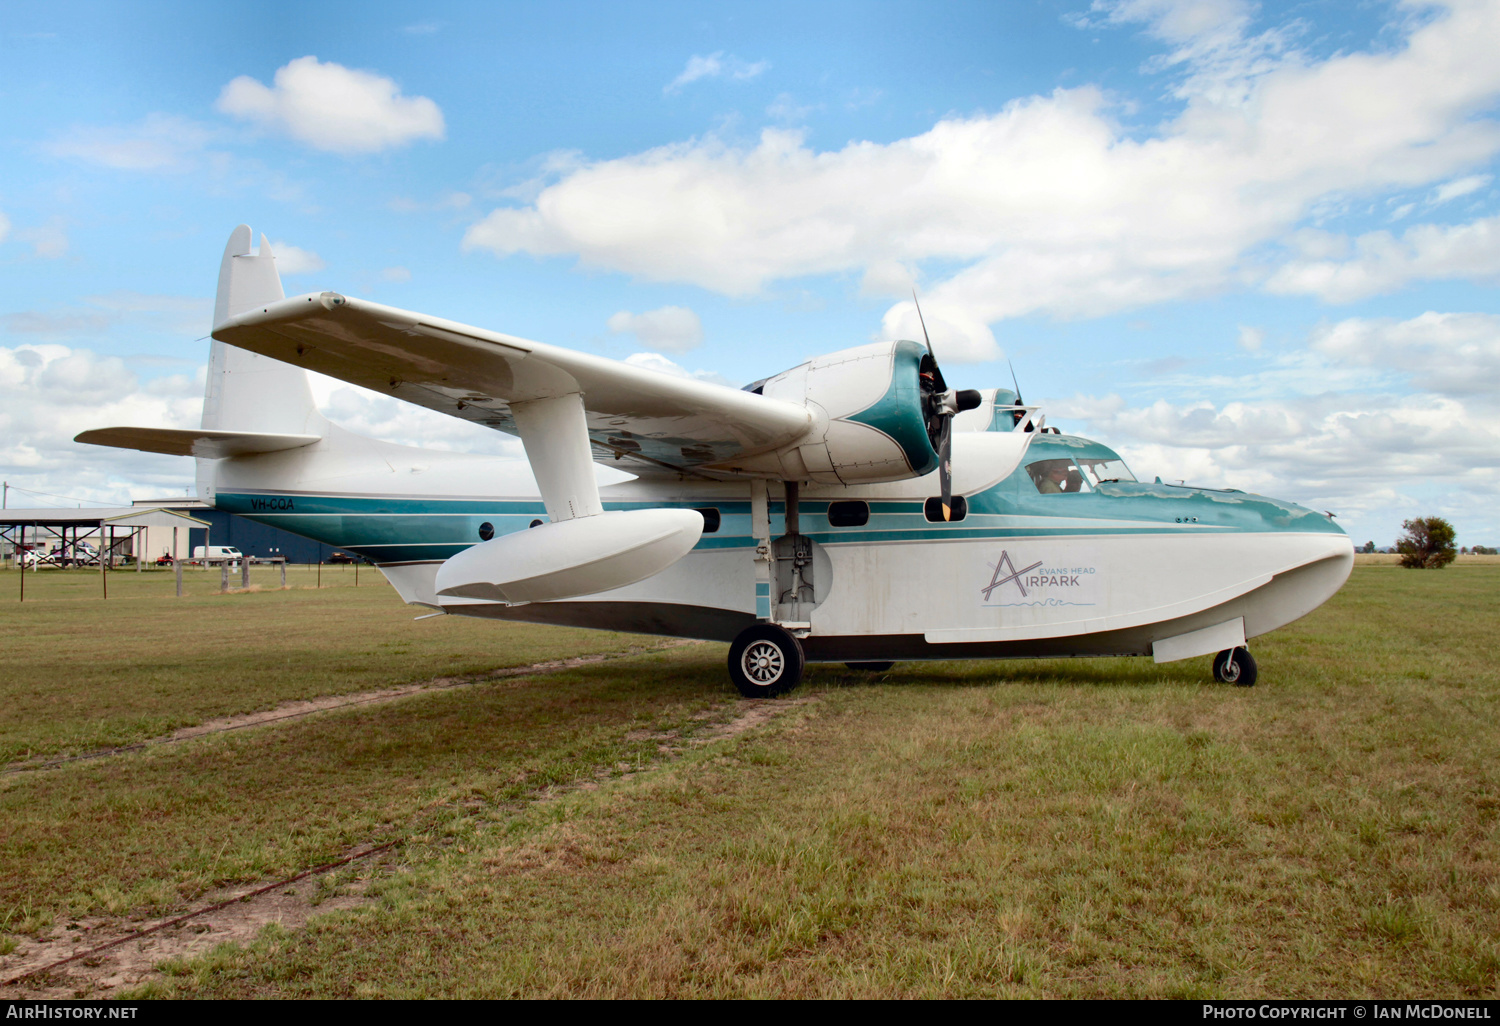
(868, 416)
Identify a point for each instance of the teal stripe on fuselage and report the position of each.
(398, 529)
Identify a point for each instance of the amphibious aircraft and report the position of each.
(851, 509)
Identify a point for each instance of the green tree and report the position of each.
(1369, 547)
(1428, 543)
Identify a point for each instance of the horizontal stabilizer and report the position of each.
(209, 444)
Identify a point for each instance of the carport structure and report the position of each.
(112, 527)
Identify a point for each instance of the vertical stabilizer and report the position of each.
(246, 391)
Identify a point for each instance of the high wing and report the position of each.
(476, 375)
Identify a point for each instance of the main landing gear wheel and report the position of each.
(870, 667)
(1235, 666)
(765, 661)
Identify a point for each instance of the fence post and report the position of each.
(223, 574)
(177, 567)
(244, 571)
(283, 572)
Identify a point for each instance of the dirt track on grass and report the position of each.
(308, 707)
(124, 953)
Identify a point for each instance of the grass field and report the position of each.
(79, 673)
(1100, 828)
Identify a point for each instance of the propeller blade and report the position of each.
(946, 402)
(945, 465)
(923, 321)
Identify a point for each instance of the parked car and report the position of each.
(217, 554)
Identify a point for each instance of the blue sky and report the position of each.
(1247, 245)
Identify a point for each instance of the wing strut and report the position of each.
(583, 549)
(556, 437)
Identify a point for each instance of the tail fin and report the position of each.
(246, 391)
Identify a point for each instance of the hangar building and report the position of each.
(251, 538)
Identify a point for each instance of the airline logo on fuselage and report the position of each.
(1012, 575)
(1039, 584)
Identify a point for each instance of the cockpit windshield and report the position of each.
(1055, 477)
(1098, 470)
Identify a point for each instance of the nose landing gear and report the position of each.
(1235, 666)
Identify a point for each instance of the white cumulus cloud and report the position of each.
(675, 329)
(658, 362)
(954, 333)
(374, 415)
(334, 108)
(54, 391)
(1381, 262)
(1337, 425)
(1455, 354)
(1048, 205)
(296, 260)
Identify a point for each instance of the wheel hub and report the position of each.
(763, 662)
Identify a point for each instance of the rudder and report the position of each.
(246, 391)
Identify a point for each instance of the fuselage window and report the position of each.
(851, 513)
(1056, 477)
(710, 519)
(932, 509)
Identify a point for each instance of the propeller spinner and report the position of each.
(940, 404)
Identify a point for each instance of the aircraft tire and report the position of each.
(1235, 666)
(765, 661)
(877, 667)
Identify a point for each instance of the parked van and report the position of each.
(217, 553)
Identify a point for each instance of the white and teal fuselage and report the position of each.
(1124, 569)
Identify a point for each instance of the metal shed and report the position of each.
(111, 527)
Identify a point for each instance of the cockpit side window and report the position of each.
(1056, 477)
